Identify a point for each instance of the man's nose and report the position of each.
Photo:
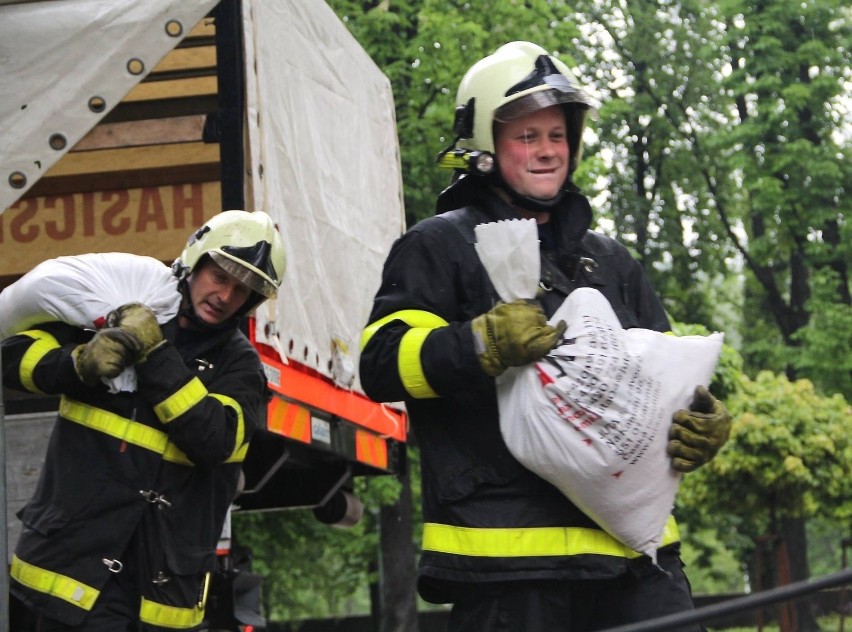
(547, 148)
(226, 293)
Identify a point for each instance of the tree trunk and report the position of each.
(398, 575)
(792, 532)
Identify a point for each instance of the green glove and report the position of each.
(140, 322)
(697, 434)
(106, 355)
(513, 334)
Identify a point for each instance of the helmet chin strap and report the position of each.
(535, 205)
(189, 314)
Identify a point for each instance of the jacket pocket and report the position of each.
(43, 518)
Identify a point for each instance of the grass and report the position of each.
(826, 624)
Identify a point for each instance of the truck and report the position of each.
(127, 123)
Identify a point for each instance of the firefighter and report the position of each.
(121, 532)
(500, 544)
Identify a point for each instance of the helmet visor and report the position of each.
(550, 87)
(536, 101)
(244, 274)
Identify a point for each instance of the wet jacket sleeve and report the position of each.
(39, 360)
(418, 342)
(210, 421)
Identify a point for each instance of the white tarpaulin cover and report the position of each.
(324, 161)
(56, 56)
(323, 156)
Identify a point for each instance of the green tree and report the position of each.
(791, 157)
(654, 68)
(723, 128)
(789, 458)
(311, 569)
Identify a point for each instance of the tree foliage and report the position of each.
(311, 569)
(789, 456)
(724, 122)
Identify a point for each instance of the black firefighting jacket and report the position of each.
(486, 517)
(145, 476)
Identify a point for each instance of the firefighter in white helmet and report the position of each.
(121, 532)
(504, 547)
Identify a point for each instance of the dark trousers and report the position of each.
(578, 605)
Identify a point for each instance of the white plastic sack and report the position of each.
(82, 289)
(593, 417)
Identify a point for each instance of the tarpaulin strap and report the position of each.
(132, 432)
(181, 401)
(44, 342)
(154, 613)
(53, 584)
(531, 542)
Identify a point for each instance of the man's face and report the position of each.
(533, 152)
(215, 295)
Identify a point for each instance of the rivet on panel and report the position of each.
(58, 141)
(17, 180)
(97, 104)
(135, 66)
(174, 28)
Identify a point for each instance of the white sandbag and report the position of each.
(593, 417)
(82, 289)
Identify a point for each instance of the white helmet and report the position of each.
(517, 79)
(247, 245)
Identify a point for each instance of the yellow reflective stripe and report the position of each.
(411, 317)
(44, 342)
(139, 434)
(122, 428)
(239, 453)
(531, 542)
(154, 613)
(174, 454)
(113, 425)
(53, 584)
(177, 404)
(409, 366)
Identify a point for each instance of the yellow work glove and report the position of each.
(513, 334)
(139, 321)
(106, 355)
(697, 434)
